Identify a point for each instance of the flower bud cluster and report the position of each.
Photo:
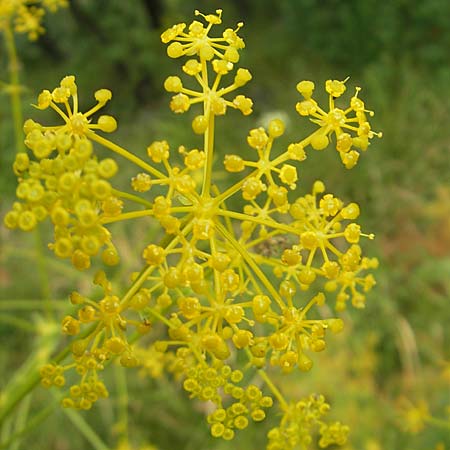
(351, 132)
(61, 179)
(26, 17)
(298, 423)
(220, 54)
(100, 328)
(220, 385)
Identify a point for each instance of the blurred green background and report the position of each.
(399, 53)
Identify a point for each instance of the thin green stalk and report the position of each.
(14, 87)
(43, 274)
(33, 380)
(250, 262)
(209, 151)
(6, 429)
(132, 197)
(17, 322)
(29, 304)
(85, 429)
(16, 107)
(275, 391)
(19, 394)
(21, 420)
(441, 423)
(34, 422)
(57, 264)
(122, 400)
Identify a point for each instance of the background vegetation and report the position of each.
(394, 352)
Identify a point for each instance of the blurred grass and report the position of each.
(399, 55)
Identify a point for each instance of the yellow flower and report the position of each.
(25, 16)
(218, 54)
(413, 416)
(351, 131)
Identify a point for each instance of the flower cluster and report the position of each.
(26, 16)
(336, 121)
(101, 330)
(224, 283)
(221, 53)
(61, 178)
(298, 421)
(220, 384)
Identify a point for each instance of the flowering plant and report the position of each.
(222, 281)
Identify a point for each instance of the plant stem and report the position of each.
(274, 389)
(126, 154)
(122, 400)
(132, 197)
(29, 304)
(85, 429)
(43, 274)
(14, 87)
(33, 380)
(209, 152)
(268, 223)
(438, 422)
(250, 262)
(16, 107)
(34, 422)
(17, 322)
(22, 415)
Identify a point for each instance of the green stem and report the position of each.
(10, 402)
(250, 262)
(275, 391)
(145, 213)
(14, 82)
(34, 422)
(122, 400)
(30, 304)
(268, 223)
(126, 154)
(22, 415)
(16, 107)
(209, 152)
(284, 157)
(127, 216)
(85, 429)
(56, 264)
(43, 274)
(159, 317)
(17, 322)
(132, 197)
(6, 429)
(438, 422)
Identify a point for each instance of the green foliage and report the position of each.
(358, 33)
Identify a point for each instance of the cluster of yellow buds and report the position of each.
(221, 384)
(223, 281)
(337, 121)
(101, 328)
(221, 53)
(154, 363)
(82, 395)
(26, 16)
(298, 422)
(65, 181)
